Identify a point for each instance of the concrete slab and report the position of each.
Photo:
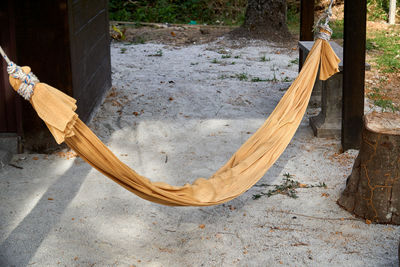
(9, 142)
(5, 158)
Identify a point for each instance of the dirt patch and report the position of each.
(171, 34)
(185, 35)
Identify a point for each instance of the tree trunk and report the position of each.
(265, 19)
(392, 12)
(373, 188)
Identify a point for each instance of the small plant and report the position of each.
(242, 76)
(295, 61)
(286, 79)
(215, 61)
(123, 50)
(258, 79)
(159, 53)
(238, 56)
(226, 56)
(139, 40)
(233, 63)
(288, 187)
(223, 77)
(264, 59)
(194, 63)
(379, 101)
(118, 34)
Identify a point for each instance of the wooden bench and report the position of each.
(327, 95)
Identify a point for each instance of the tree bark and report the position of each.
(373, 188)
(392, 12)
(265, 19)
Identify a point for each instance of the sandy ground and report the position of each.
(176, 117)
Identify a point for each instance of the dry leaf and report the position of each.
(35, 158)
(202, 226)
(50, 198)
(368, 221)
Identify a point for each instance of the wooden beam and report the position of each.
(306, 24)
(355, 15)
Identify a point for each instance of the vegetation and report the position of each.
(287, 187)
(379, 100)
(378, 9)
(387, 44)
(227, 12)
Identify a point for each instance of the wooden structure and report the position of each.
(353, 65)
(373, 188)
(10, 104)
(355, 29)
(306, 25)
(66, 43)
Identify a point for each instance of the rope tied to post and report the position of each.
(29, 80)
(321, 27)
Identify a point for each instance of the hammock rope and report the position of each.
(243, 169)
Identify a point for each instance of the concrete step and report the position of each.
(9, 145)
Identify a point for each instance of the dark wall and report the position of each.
(90, 53)
(10, 104)
(66, 43)
(42, 42)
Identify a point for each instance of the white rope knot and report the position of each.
(323, 32)
(28, 80)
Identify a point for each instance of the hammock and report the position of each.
(241, 172)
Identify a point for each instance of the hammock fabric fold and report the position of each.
(241, 172)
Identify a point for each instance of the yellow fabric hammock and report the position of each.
(241, 172)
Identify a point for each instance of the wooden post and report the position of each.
(306, 24)
(392, 12)
(355, 15)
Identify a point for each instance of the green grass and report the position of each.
(258, 79)
(293, 62)
(379, 101)
(242, 76)
(226, 12)
(265, 59)
(388, 45)
(337, 27)
(293, 20)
